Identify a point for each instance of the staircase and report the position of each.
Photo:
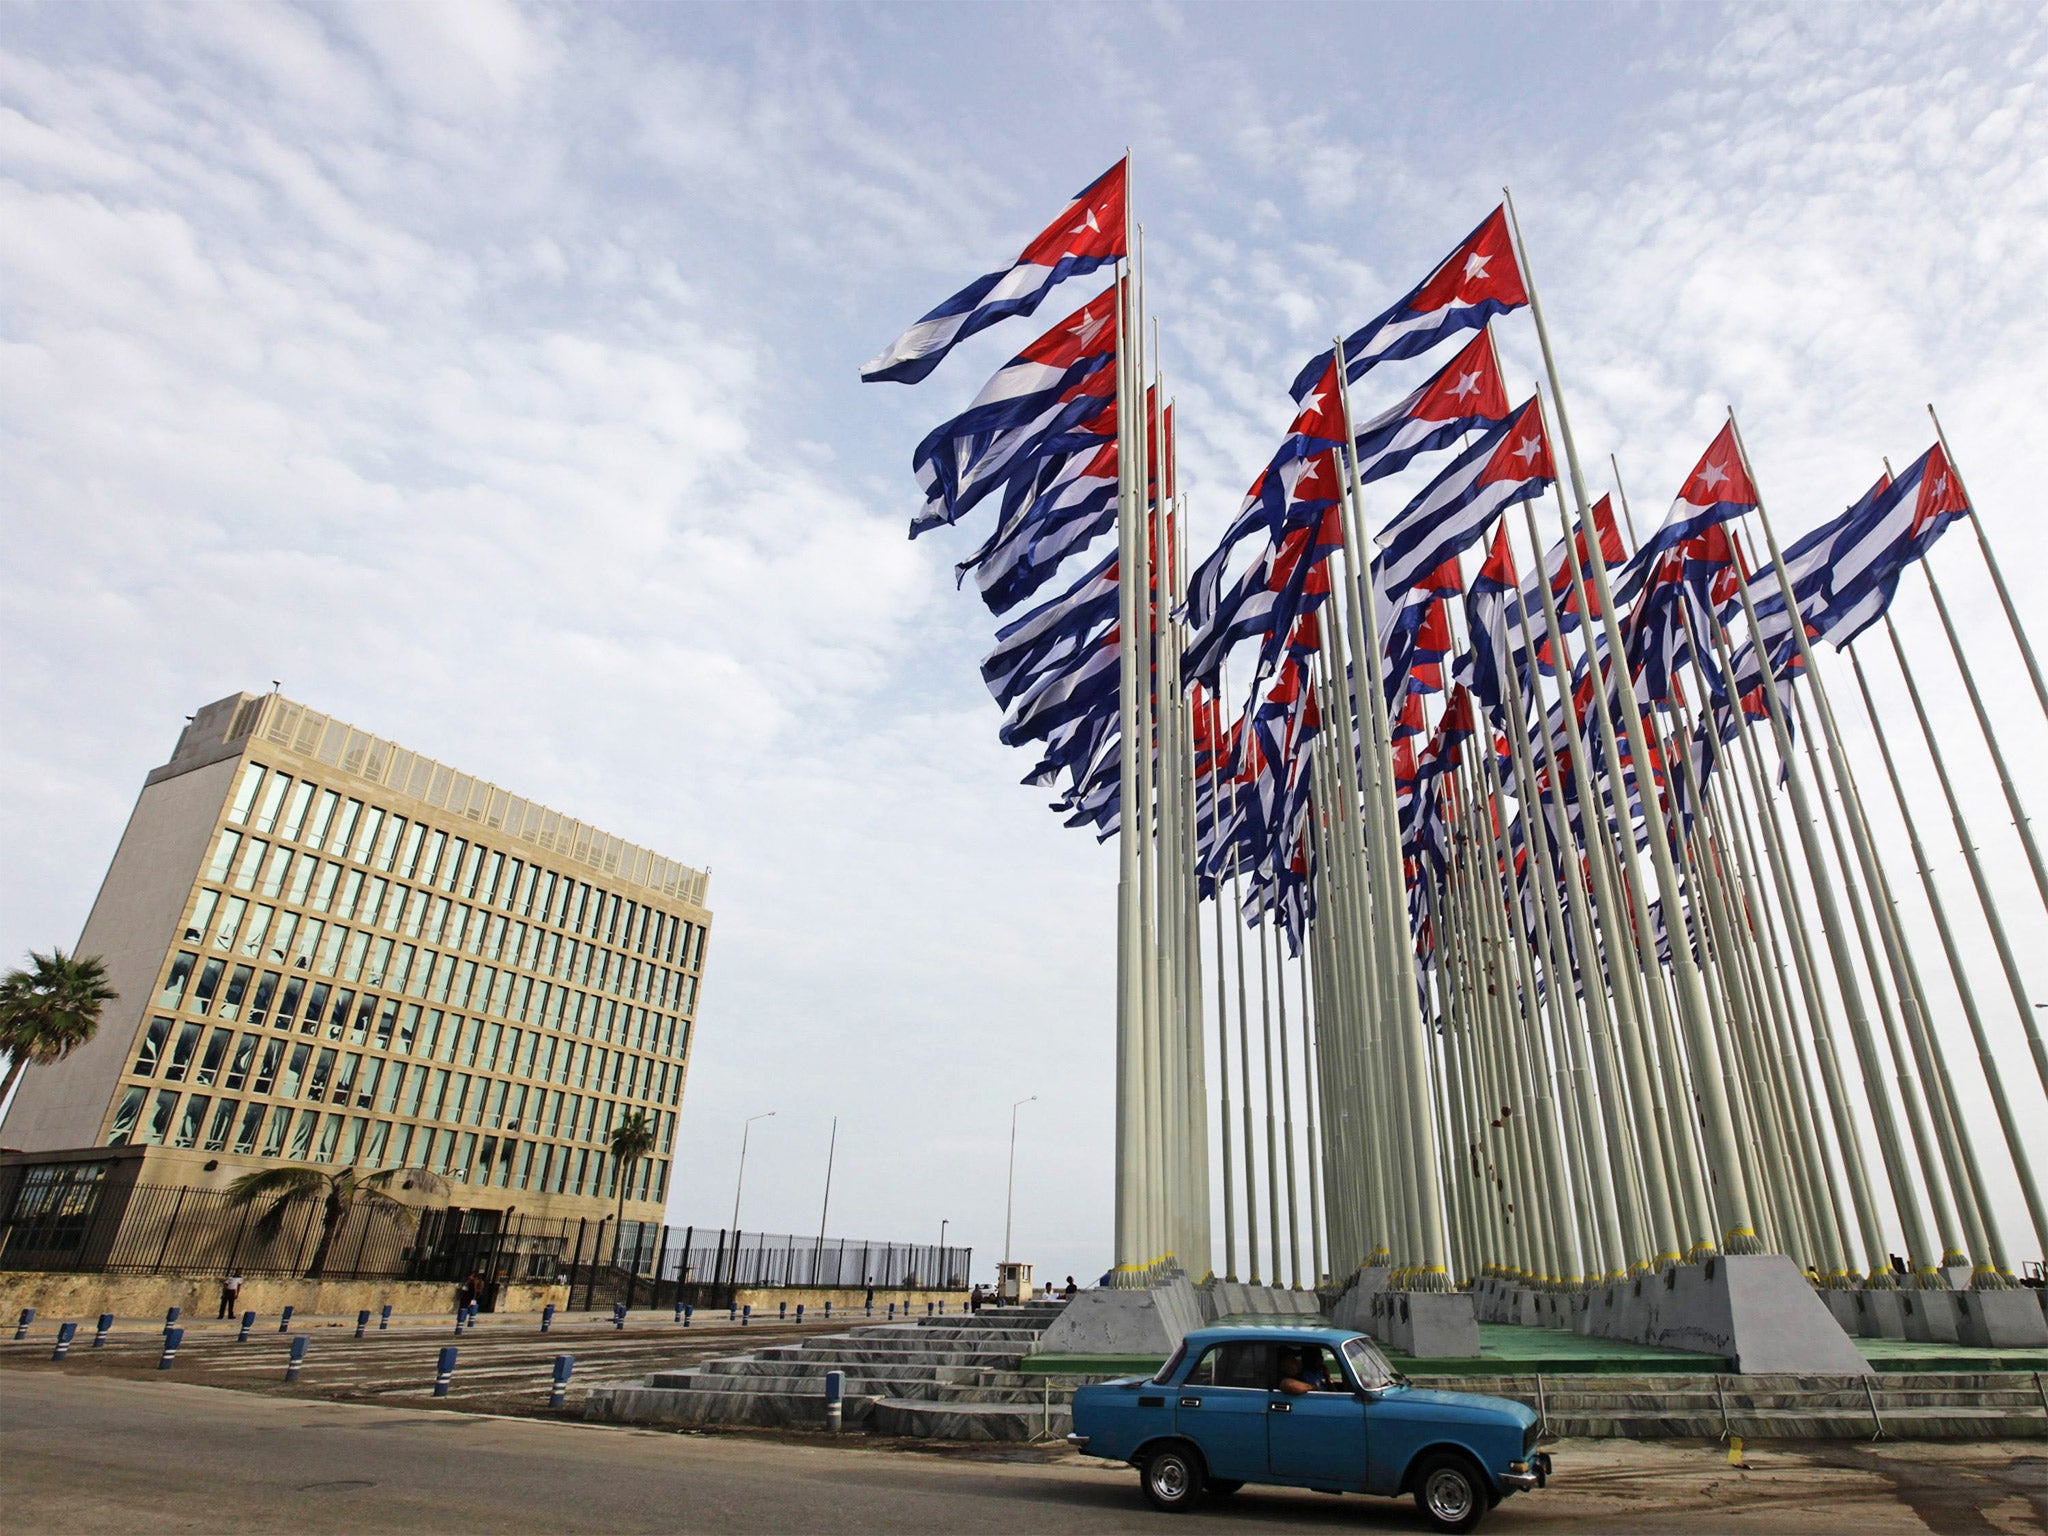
(949, 1377)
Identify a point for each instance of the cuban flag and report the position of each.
(1898, 527)
(1484, 668)
(958, 469)
(1072, 502)
(1510, 463)
(1088, 234)
(1717, 490)
(1465, 396)
(1478, 280)
(1085, 682)
(1052, 631)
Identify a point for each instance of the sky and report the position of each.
(487, 375)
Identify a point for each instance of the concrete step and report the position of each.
(915, 1419)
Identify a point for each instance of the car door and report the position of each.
(1221, 1406)
(1318, 1438)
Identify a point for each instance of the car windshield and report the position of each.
(1173, 1361)
(1369, 1365)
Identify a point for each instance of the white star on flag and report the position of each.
(1527, 451)
(1088, 222)
(1468, 384)
(1711, 476)
(1311, 402)
(1475, 266)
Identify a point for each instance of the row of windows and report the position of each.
(403, 913)
(407, 1088)
(272, 805)
(279, 1000)
(305, 1135)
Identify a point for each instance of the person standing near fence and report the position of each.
(230, 1293)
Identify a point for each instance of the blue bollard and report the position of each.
(444, 1370)
(746, 1314)
(892, 1311)
(828, 1311)
(248, 1322)
(171, 1315)
(297, 1362)
(173, 1337)
(66, 1332)
(679, 1310)
(362, 1322)
(942, 1309)
(782, 1312)
(835, 1394)
(927, 1309)
(732, 1312)
(384, 1319)
(799, 1314)
(472, 1314)
(564, 1366)
(547, 1318)
(688, 1313)
(28, 1315)
(284, 1321)
(619, 1316)
(106, 1326)
(460, 1316)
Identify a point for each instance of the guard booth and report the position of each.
(1013, 1283)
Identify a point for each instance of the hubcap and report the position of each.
(1449, 1495)
(1170, 1477)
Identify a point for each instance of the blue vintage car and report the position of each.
(1313, 1408)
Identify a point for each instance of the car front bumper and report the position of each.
(1522, 1476)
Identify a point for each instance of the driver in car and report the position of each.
(1304, 1372)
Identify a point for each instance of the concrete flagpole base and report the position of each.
(1425, 1325)
(1755, 1309)
(1151, 1321)
(2001, 1319)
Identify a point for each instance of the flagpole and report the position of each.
(2012, 617)
(2020, 821)
(1214, 722)
(2008, 1124)
(1244, 1050)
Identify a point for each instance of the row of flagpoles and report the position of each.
(1600, 970)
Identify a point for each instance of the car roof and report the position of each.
(1271, 1333)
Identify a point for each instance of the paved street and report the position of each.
(112, 1452)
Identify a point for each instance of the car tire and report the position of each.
(1173, 1478)
(1220, 1487)
(1451, 1492)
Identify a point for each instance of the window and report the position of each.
(359, 1031)
(351, 890)
(151, 1050)
(316, 1007)
(353, 1146)
(408, 859)
(366, 1089)
(223, 856)
(1368, 1364)
(252, 1123)
(174, 984)
(238, 987)
(266, 1075)
(216, 1053)
(126, 1111)
(337, 1016)
(330, 955)
(223, 1122)
(273, 801)
(245, 793)
(160, 1113)
(194, 1118)
(387, 846)
(345, 1079)
(230, 922)
(253, 944)
(181, 1053)
(366, 834)
(251, 859)
(1239, 1365)
(373, 1153)
(295, 817)
(323, 818)
(281, 938)
(202, 916)
(296, 1072)
(387, 1021)
(280, 1124)
(245, 1057)
(266, 989)
(302, 1135)
(323, 894)
(309, 940)
(408, 1029)
(273, 875)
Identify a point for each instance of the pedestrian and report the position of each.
(1071, 1290)
(871, 1293)
(230, 1293)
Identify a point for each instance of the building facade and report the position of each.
(332, 951)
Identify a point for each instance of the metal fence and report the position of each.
(154, 1228)
(783, 1260)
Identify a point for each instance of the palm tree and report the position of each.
(632, 1139)
(340, 1192)
(50, 1010)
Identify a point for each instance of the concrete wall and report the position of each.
(80, 1298)
(132, 924)
(846, 1300)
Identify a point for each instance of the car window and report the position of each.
(1244, 1365)
(1368, 1364)
(1173, 1361)
(1204, 1373)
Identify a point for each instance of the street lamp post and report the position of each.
(940, 1267)
(746, 1130)
(1010, 1199)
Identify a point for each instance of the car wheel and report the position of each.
(1173, 1479)
(1221, 1486)
(1450, 1493)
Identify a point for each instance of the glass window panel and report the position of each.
(352, 1148)
(192, 1121)
(387, 845)
(266, 989)
(465, 1154)
(372, 900)
(380, 1135)
(181, 1053)
(401, 1147)
(295, 1074)
(380, 962)
(288, 1004)
(250, 861)
(351, 891)
(408, 1029)
(387, 1021)
(402, 969)
(323, 1072)
(223, 1121)
(410, 1104)
(345, 1078)
(273, 801)
(337, 1016)
(229, 922)
(323, 893)
(280, 1124)
(366, 1089)
(252, 1123)
(359, 1031)
(302, 1134)
(306, 942)
(174, 984)
(394, 905)
(151, 1050)
(202, 916)
(245, 1057)
(126, 1110)
(238, 988)
(366, 834)
(487, 887)
(302, 879)
(409, 856)
(274, 872)
(329, 959)
(257, 930)
(266, 1075)
(210, 1060)
(160, 1113)
(451, 865)
(282, 934)
(223, 858)
(295, 816)
(323, 819)
(472, 869)
(245, 793)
